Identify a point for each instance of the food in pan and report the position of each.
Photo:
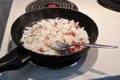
(38, 36)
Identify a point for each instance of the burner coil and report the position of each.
(36, 5)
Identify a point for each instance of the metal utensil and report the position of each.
(64, 46)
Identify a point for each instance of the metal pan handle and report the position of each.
(15, 59)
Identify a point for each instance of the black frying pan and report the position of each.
(20, 56)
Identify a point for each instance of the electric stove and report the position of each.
(97, 64)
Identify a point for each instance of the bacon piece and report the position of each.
(41, 49)
(76, 48)
(73, 42)
(64, 39)
(46, 44)
(47, 37)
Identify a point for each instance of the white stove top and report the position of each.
(99, 62)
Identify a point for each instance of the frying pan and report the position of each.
(20, 56)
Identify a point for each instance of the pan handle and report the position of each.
(15, 59)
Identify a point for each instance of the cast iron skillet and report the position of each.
(20, 56)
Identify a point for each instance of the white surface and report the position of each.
(99, 62)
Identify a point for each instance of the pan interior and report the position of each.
(31, 17)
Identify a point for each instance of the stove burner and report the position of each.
(110, 4)
(38, 4)
(51, 5)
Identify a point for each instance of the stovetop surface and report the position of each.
(99, 63)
